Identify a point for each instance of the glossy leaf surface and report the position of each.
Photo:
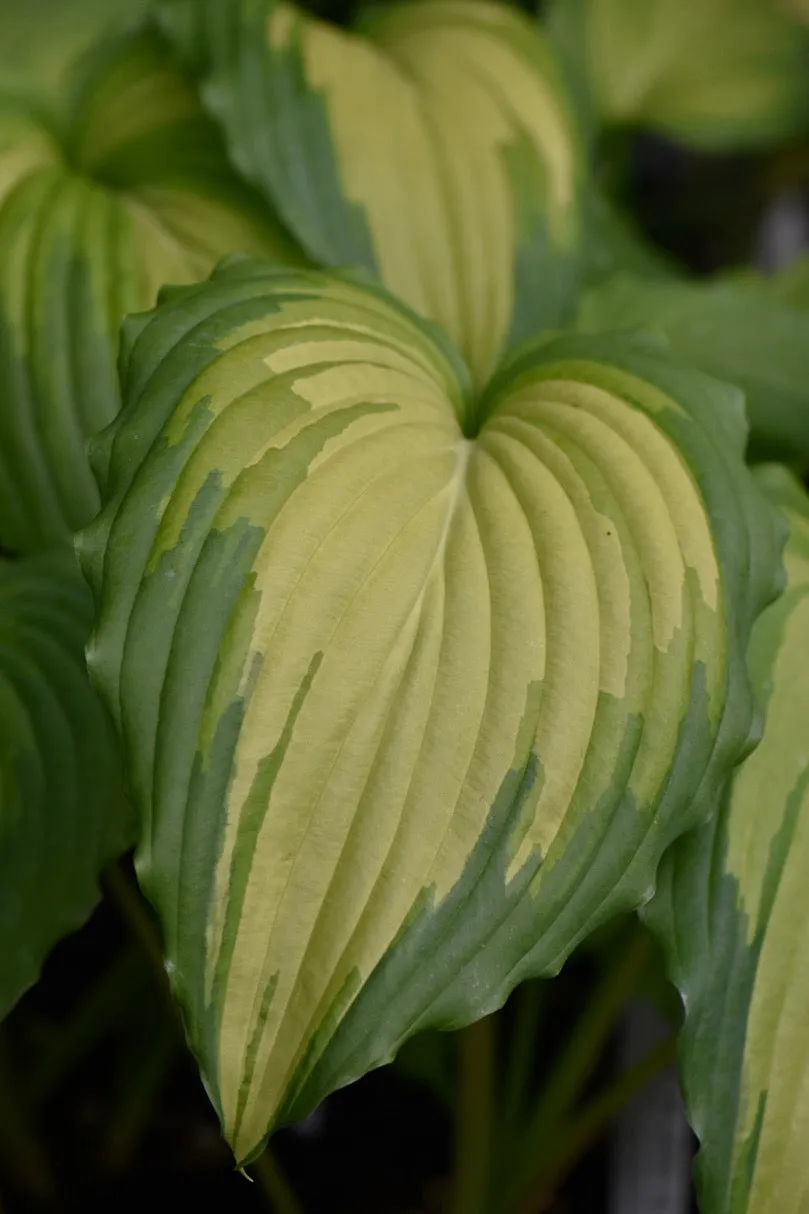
(732, 910)
(416, 683)
(435, 147)
(133, 192)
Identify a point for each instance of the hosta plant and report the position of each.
(433, 604)
(413, 695)
(731, 906)
(124, 187)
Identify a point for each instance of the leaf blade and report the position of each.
(63, 813)
(340, 640)
(736, 331)
(729, 910)
(465, 99)
(713, 75)
(91, 225)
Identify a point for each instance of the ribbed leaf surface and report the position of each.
(435, 147)
(732, 909)
(134, 193)
(744, 332)
(416, 684)
(62, 809)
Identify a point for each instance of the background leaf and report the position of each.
(415, 685)
(733, 330)
(614, 245)
(731, 909)
(40, 39)
(131, 191)
(436, 148)
(717, 74)
(62, 809)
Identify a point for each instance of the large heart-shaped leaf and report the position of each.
(134, 192)
(714, 73)
(738, 331)
(436, 148)
(732, 909)
(62, 808)
(416, 682)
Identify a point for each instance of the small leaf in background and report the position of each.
(734, 330)
(63, 813)
(716, 74)
(134, 192)
(436, 148)
(731, 908)
(416, 684)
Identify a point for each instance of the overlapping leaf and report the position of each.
(435, 148)
(134, 192)
(62, 809)
(39, 39)
(713, 73)
(735, 330)
(416, 683)
(732, 909)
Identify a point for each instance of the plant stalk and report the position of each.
(274, 1185)
(529, 999)
(585, 1129)
(578, 1058)
(20, 1148)
(473, 1142)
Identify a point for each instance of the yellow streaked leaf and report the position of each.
(435, 146)
(416, 682)
(713, 73)
(732, 910)
(127, 190)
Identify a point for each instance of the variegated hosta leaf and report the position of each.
(437, 149)
(415, 684)
(745, 332)
(715, 73)
(732, 908)
(136, 192)
(62, 809)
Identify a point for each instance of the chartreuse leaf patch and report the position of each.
(435, 147)
(416, 681)
(714, 73)
(127, 188)
(732, 910)
(62, 809)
